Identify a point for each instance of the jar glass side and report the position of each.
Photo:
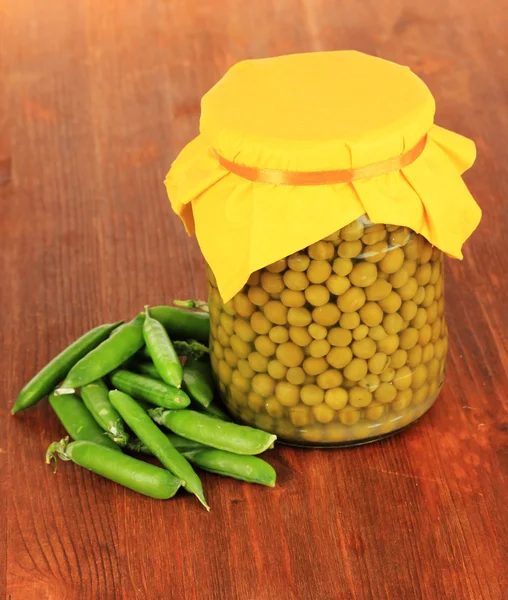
(341, 343)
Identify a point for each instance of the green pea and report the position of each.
(350, 249)
(124, 343)
(158, 443)
(351, 300)
(356, 369)
(342, 266)
(327, 315)
(192, 425)
(353, 231)
(145, 388)
(391, 303)
(258, 296)
(339, 337)
(317, 295)
(246, 468)
(378, 290)
(336, 284)
(392, 261)
(321, 250)
(96, 399)
(359, 397)
(385, 393)
(364, 274)
(272, 283)
(393, 323)
(78, 422)
(364, 348)
(162, 351)
(374, 234)
(298, 262)
(319, 271)
(350, 320)
(339, 357)
(295, 280)
(134, 474)
(371, 314)
(53, 373)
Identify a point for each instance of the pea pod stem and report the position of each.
(130, 472)
(192, 304)
(57, 449)
(157, 442)
(191, 348)
(53, 373)
(202, 428)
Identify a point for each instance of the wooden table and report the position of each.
(101, 96)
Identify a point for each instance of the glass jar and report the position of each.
(342, 343)
(344, 340)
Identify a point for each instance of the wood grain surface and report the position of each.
(96, 99)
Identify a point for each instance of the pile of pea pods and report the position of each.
(146, 388)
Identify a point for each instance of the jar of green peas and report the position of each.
(324, 199)
(340, 342)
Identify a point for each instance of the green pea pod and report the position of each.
(143, 354)
(113, 352)
(161, 350)
(53, 373)
(78, 422)
(183, 324)
(96, 399)
(215, 411)
(150, 390)
(134, 474)
(148, 369)
(198, 381)
(196, 426)
(180, 443)
(246, 468)
(146, 430)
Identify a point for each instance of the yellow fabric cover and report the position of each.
(317, 112)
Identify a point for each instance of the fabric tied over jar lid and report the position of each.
(295, 147)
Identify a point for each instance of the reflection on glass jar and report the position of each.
(338, 344)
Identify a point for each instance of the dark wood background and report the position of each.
(96, 99)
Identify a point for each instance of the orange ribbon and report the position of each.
(279, 177)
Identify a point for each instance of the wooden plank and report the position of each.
(101, 98)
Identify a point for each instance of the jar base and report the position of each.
(386, 429)
(350, 443)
